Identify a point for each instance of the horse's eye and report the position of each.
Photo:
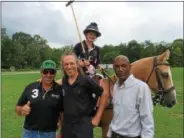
(165, 74)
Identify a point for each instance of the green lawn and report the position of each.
(168, 122)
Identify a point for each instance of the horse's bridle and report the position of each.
(158, 98)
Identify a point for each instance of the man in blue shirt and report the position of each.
(133, 107)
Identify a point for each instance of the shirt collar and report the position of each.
(93, 46)
(53, 86)
(77, 81)
(128, 82)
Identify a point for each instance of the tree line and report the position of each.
(22, 50)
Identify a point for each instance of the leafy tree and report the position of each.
(176, 53)
(134, 50)
(109, 57)
(6, 52)
(23, 50)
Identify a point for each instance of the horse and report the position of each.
(155, 71)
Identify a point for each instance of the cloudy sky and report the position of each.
(118, 21)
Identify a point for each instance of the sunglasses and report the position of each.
(51, 71)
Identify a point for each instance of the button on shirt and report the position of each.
(133, 109)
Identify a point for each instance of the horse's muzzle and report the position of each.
(168, 105)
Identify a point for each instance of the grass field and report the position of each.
(168, 122)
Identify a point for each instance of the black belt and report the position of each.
(115, 135)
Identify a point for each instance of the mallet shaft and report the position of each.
(80, 38)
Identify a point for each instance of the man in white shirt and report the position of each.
(133, 107)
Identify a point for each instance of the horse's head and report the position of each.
(164, 80)
(157, 73)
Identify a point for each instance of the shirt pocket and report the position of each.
(131, 106)
(54, 102)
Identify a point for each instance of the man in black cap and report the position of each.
(90, 59)
(41, 103)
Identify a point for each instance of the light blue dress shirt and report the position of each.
(133, 109)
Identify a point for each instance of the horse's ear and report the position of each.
(164, 56)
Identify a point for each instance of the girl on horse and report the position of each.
(89, 59)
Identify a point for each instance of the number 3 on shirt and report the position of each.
(35, 93)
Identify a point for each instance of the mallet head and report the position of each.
(69, 2)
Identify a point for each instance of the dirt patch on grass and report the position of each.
(17, 73)
(176, 115)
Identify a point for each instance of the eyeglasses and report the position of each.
(51, 71)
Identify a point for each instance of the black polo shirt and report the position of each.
(81, 97)
(93, 55)
(45, 106)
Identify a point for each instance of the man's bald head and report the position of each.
(122, 67)
(122, 57)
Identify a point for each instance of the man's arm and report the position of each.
(18, 110)
(103, 99)
(23, 105)
(146, 113)
(60, 121)
(102, 103)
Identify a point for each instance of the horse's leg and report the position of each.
(104, 131)
(105, 121)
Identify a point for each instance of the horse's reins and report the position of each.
(158, 98)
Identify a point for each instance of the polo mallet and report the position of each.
(80, 38)
(79, 35)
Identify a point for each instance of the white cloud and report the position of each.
(118, 21)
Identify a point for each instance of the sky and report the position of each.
(119, 22)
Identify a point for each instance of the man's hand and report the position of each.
(102, 103)
(83, 62)
(26, 109)
(58, 135)
(86, 62)
(95, 121)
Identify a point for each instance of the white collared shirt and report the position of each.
(133, 109)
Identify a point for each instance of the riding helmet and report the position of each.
(92, 27)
